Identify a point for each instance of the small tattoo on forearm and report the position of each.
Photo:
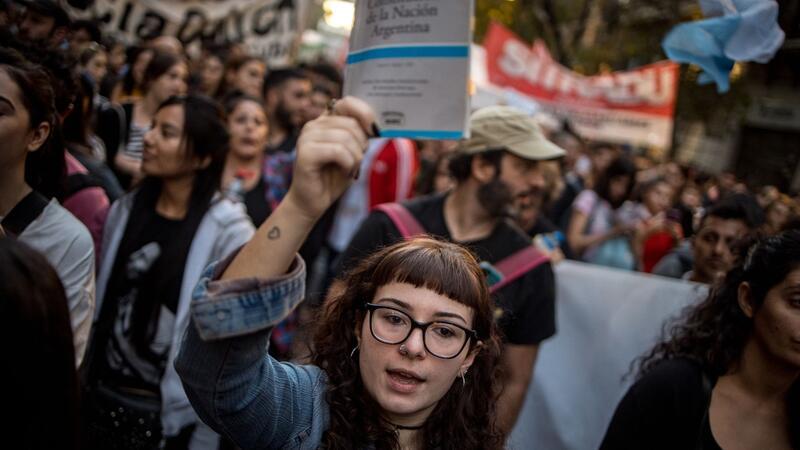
(274, 233)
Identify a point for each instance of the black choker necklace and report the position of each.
(404, 427)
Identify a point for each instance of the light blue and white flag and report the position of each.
(736, 30)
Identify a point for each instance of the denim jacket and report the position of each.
(231, 381)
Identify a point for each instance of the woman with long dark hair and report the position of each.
(93, 62)
(129, 87)
(243, 74)
(156, 243)
(42, 387)
(32, 172)
(405, 356)
(364, 398)
(248, 127)
(210, 70)
(728, 376)
(122, 129)
(596, 231)
(82, 143)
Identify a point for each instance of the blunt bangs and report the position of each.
(442, 267)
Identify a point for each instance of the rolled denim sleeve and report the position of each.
(231, 381)
(223, 309)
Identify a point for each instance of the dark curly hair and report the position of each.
(714, 332)
(465, 417)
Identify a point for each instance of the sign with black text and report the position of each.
(267, 28)
(409, 59)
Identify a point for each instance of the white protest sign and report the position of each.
(409, 59)
(605, 319)
(267, 28)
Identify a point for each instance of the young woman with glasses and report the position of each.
(405, 357)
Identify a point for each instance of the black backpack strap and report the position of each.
(77, 182)
(23, 213)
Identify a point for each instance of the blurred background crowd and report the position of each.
(606, 202)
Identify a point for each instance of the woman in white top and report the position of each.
(31, 171)
(156, 243)
(597, 233)
(165, 76)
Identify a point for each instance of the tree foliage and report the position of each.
(595, 36)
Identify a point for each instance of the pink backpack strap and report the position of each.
(402, 218)
(518, 264)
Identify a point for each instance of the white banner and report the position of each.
(606, 318)
(267, 28)
(409, 59)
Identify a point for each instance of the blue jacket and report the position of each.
(231, 381)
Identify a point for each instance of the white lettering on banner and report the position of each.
(634, 107)
(596, 89)
(625, 87)
(513, 61)
(653, 86)
(267, 28)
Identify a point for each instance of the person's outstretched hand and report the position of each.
(329, 153)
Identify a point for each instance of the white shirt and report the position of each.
(68, 247)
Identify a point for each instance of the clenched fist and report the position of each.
(329, 153)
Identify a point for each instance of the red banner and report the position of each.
(634, 106)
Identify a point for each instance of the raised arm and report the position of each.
(329, 152)
(580, 241)
(232, 383)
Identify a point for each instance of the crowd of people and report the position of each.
(153, 206)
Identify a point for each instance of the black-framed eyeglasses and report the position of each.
(441, 339)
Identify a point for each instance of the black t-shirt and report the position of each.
(255, 200)
(527, 304)
(141, 269)
(666, 409)
(286, 146)
(543, 225)
(561, 210)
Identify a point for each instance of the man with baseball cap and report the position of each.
(493, 169)
(43, 21)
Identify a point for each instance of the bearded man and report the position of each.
(287, 98)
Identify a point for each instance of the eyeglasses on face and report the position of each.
(442, 339)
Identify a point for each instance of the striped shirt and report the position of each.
(135, 145)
